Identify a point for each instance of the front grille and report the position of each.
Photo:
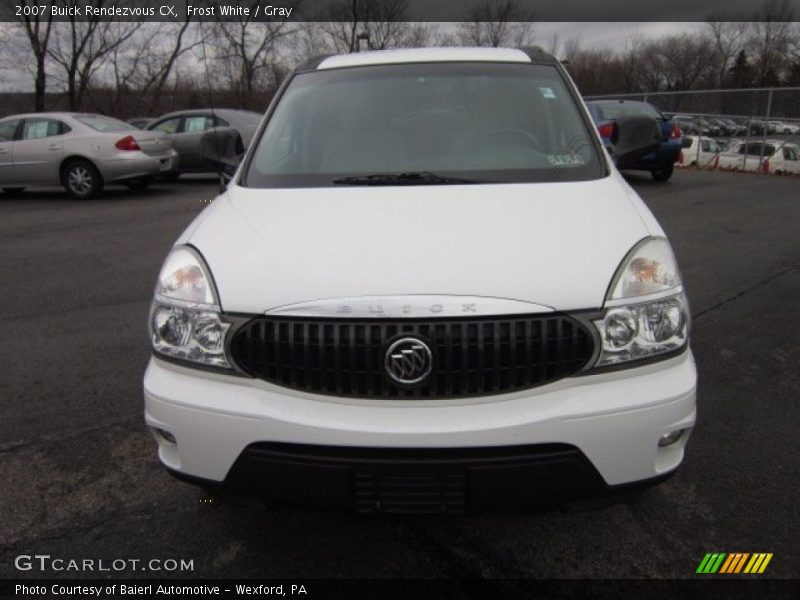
(471, 357)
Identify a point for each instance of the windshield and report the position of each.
(104, 124)
(433, 123)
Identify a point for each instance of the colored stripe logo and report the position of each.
(734, 562)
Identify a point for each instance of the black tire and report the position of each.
(13, 190)
(81, 179)
(664, 173)
(138, 184)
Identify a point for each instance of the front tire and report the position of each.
(664, 173)
(82, 179)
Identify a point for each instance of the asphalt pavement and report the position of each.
(79, 469)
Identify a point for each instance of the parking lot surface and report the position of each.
(79, 469)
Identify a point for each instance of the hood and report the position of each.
(553, 244)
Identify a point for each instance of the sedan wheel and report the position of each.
(82, 180)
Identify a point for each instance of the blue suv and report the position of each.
(661, 162)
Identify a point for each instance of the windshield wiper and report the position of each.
(407, 178)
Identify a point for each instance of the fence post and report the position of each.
(747, 128)
(766, 129)
(699, 140)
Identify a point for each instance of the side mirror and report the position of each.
(634, 137)
(222, 149)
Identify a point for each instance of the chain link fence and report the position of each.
(737, 129)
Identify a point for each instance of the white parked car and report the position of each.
(80, 151)
(772, 156)
(782, 127)
(698, 152)
(789, 128)
(426, 288)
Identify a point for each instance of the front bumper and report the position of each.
(403, 480)
(613, 420)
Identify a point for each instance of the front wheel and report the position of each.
(662, 174)
(82, 179)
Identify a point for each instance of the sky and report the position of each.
(609, 35)
(592, 35)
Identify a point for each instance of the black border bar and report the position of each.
(440, 11)
(700, 587)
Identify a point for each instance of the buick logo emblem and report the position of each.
(408, 360)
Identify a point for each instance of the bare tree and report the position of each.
(675, 62)
(245, 47)
(496, 23)
(379, 23)
(728, 39)
(630, 63)
(418, 35)
(555, 45)
(770, 39)
(595, 71)
(38, 29)
(80, 47)
(147, 61)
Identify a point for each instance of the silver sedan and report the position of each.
(80, 151)
(186, 129)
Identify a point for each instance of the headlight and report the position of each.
(646, 310)
(185, 320)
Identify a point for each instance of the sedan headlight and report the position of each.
(185, 320)
(646, 312)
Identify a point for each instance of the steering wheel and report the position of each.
(528, 138)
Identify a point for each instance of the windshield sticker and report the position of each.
(558, 160)
(547, 92)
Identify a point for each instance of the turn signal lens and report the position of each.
(184, 279)
(648, 269)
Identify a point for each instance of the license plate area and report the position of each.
(410, 492)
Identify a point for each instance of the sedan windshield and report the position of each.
(425, 124)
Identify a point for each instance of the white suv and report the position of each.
(425, 288)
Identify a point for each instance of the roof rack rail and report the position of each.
(538, 55)
(312, 63)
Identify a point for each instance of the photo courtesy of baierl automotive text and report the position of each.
(349, 298)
